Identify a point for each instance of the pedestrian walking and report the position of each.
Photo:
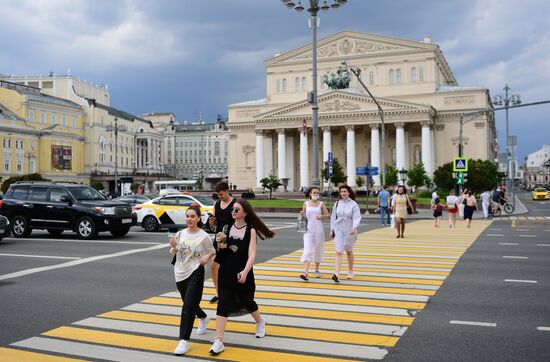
(236, 256)
(438, 211)
(344, 220)
(485, 202)
(192, 249)
(383, 204)
(470, 205)
(400, 204)
(314, 238)
(434, 196)
(220, 218)
(452, 208)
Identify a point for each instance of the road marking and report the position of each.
(497, 235)
(78, 262)
(508, 244)
(543, 329)
(494, 229)
(523, 229)
(41, 256)
(469, 323)
(520, 281)
(10, 354)
(543, 244)
(515, 257)
(531, 218)
(527, 236)
(99, 241)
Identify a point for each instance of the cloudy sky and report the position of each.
(194, 57)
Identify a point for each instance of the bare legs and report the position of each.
(350, 264)
(337, 264)
(221, 322)
(214, 267)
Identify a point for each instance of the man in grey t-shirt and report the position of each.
(383, 204)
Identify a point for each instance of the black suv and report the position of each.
(60, 206)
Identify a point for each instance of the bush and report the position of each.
(248, 195)
(425, 194)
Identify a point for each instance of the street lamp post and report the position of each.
(115, 129)
(313, 9)
(403, 175)
(505, 100)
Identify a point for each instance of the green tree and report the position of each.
(391, 175)
(417, 176)
(443, 177)
(482, 175)
(97, 185)
(134, 187)
(359, 181)
(338, 176)
(29, 177)
(199, 183)
(271, 183)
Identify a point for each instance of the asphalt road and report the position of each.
(536, 208)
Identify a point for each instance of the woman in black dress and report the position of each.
(236, 255)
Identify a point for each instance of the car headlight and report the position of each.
(105, 210)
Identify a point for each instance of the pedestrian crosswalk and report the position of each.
(532, 218)
(315, 320)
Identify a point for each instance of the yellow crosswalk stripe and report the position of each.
(17, 355)
(360, 269)
(362, 261)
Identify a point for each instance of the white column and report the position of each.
(399, 146)
(375, 152)
(327, 146)
(281, 154)
(304, 165)
(268, 149)
(350, 152)
(259, 157)
(432, 134)
(427, 147)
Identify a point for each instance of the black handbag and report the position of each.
(409, 210)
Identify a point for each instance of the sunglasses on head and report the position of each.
(235, 209)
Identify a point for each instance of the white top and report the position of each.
(452, 199)
(434, 195)
(345, 215)
(191, 247)
(485, 197)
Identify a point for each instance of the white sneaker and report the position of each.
(260, 329)
(350, 275)
(203, 323)
(317, 274)
(182, 348)
(217, 347)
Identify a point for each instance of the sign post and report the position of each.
(330, 174)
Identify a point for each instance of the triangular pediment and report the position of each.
(349, 44)
(342, 101)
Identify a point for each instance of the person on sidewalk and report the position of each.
(314, 237)
(193, 249)
(452, 208)
(485, 202)
(399, 207)
(438, 211)
(220, 218)
(344, 220)
(236, 256)
(383, 204)
(469, 207)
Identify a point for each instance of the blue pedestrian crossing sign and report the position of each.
(460, 164)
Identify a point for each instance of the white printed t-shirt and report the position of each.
(191, 248)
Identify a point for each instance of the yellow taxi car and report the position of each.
(540, 193)
(168, 212)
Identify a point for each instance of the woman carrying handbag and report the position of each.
(402, 207)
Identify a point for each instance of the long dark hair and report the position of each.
(251, 218)
(351, 192)
(308, 193)
(404, 189)
(197, 209)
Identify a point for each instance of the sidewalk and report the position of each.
(421, 214)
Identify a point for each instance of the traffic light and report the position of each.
(460, 179)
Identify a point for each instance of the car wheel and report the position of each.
(120, 231)
(20, 227)
(85, 228)
(150, 223)
(55, 232)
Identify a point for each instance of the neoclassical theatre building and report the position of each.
(411, 80)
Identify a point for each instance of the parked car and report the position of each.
(168, 212)
(58, 206)
(4, 227)
(136, 199)
(540, 193)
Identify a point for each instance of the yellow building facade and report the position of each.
(40, 133)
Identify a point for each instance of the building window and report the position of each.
(398, 75)
(371, 78)
(304, 84)
(420, 74)
(393, 155)
(278, 86)
(19, 165)
(7, 143)
(31, 116)
(413, 74)
(43, 117)
(54, 118)
(74, 121)
(31, 165)
(19, 145)
(216, 148)
(297, 84)
(391, 76)
(284, 85)
(64, 121)
(7, 165)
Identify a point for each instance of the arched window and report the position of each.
(421, 74)
(297, 84)
(371, 77)
(284, 85)
(278, 86)
(304, 84)
(398, 75)
(413, 74)
(393, 155)
(391, 76)
(417, 154)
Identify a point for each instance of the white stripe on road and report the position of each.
(277, 343)
(543, 329)
(497, 235)
(508, 244)
(527, 236)
(543, 244)
(520, 281)
(98, 241)
(362, 264)
(40, 256)
(78, 262)
(405, 255)
(493, 229)
(469, 323)
(94, 352)
(523, 229)
(515, 257)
